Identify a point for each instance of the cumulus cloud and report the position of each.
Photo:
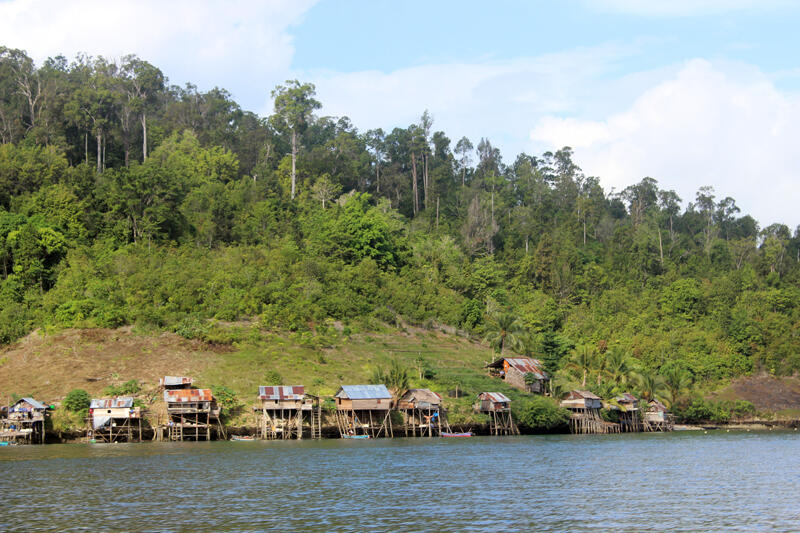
(207, 43)
(724, 126)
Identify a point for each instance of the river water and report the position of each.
(683, 481)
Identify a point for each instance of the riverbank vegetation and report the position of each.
(127, 201)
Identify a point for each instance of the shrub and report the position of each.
(540, 414)
(77, 400)
(226, 399)
(127, 388)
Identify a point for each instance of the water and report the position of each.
(685, 481)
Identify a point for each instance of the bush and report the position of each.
(127, 388)
(226, 399)
(540, 414)
(77, 400)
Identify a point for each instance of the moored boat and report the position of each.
(466, 434)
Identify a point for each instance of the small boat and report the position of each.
(238, 437)
(467, 434)
(355, 436)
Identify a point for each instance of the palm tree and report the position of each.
(652, 386)
(618, 366)
(505, 330)
(677, 379)
(582, 360)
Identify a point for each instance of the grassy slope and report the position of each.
(49, 366)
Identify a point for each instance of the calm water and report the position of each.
(678, 482)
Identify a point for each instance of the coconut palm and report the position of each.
(619, 367)
(505, 330)
(677, 379)
(582, 360)
(652, 386)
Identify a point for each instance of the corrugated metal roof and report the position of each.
(655, 405)
(173, 381)
(282, 392)
(187, 395)
(626, 397)
(585, 394)
(35, 404)
(364, 392)
(526, 365)
(496, 397)
(421, 395)
(110, 403)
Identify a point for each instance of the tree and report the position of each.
(463, 148)
(652, 386)
(325, 190)
(504, 329)
(582, 360)
(676, 380)
(294, 104)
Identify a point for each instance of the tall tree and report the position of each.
(294, 105)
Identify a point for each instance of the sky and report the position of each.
(688, 92)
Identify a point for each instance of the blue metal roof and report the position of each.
(35, 404)
(364, 392)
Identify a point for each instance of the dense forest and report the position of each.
(127, 200)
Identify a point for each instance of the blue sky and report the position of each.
(692, 93)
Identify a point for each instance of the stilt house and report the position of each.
(629, 417)
(498, 407)
(24, 422)
(585, 413)
(523, 373)
(114, 420)
(656, 417)
(423, 413)
(363, 411)
(286, 410)
(191, 413)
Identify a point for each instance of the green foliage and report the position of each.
(539, 413)
(128, 388)
(273, 377)
(226, 399)
(77, 401)
(395, 378)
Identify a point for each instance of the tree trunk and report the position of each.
(425, 178)
(414, 182)
(660, 248)
(144, 136)
(377, 176)
(86, 146)
(294, 162)
(437, 212)
(99, 152)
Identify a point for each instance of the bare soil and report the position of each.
(766, 392)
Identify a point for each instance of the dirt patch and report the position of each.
(49, 366)
(764, 391)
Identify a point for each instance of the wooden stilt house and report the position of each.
(114, 420)
(656, 418)
(585, 413)
(24, 422)
(523, 373)
(192, 414)
(285, 411)
(498, 406)
(362, 411)
(627, 406)
(423, 413)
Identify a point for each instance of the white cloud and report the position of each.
(207, 43)
(718, 125)
(682, 8)
(494, 99)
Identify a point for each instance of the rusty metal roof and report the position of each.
(175, 381)
(495, 397)
(282, 392)
(585, 394)
(655, 406)
(526, 365)
(188, 395)
(364, 392)
(110, 403)
(626, 397)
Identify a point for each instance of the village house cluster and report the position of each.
(361, 412)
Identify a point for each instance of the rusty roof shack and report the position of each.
(114, 420)
(191, 413)
(626, 406)
(24, 422)
(286, 411)
(175, 382)
(363, 411)
(523, 373)
(585, 416)
(423, 413)
(498, 407)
